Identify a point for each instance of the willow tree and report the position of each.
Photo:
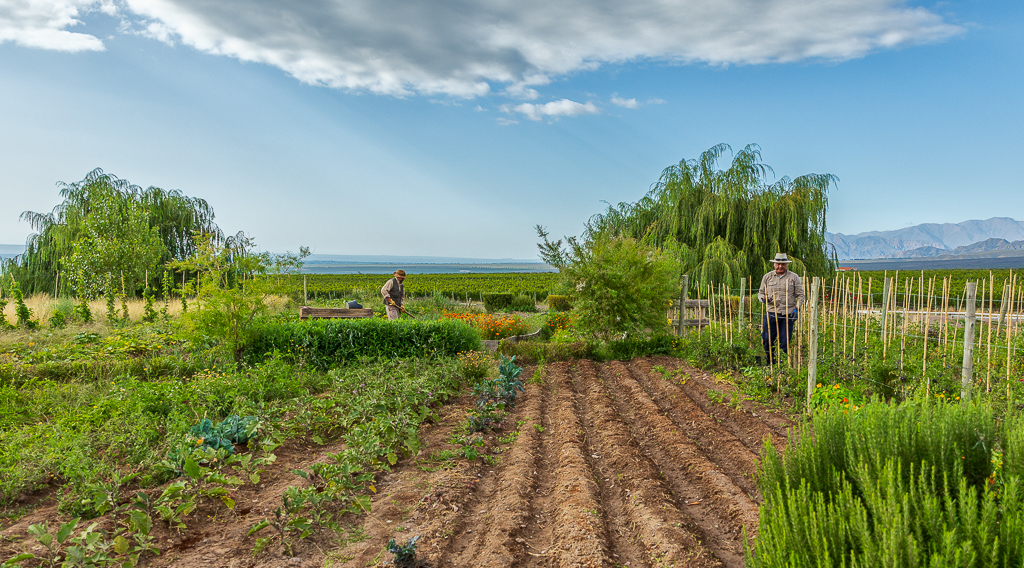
(175, 217)
(726, 224)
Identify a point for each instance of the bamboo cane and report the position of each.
(988, 354)
(927, 323)
(867, 313)
(845, 310)
(906, 307)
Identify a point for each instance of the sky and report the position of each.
(452, 128)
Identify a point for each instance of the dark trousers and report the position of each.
(776, 328)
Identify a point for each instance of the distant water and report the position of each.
(424, 268)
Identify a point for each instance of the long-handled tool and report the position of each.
(400, 308)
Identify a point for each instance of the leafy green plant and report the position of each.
(3, 317)
(225, 434)
(58, 320)
(288, 521)
(22, 311)
(82, 309)
(53, 542)
(405, 554)
(16, 561)
(149, 313)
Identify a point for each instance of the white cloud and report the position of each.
(627, 103)
(655, 101)
(42, 24)
(563, 107)
(507, 121)
(470, 48)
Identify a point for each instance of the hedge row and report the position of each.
(324, 343)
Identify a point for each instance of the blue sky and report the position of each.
(452, 128)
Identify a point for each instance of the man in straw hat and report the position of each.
(782, 294)
(394, 293)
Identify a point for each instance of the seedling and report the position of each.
(405, 555)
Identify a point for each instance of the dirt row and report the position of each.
(600, 464)
(613, 464)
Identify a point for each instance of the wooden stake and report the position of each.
(966, 376)
(812, 342)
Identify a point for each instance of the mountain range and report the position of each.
(932, 239)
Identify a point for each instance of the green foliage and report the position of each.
(225, 434)
(148, 314)
(324, 343)
(116, 242)
(559, 303)
(405, 554)
(623, 286)
(174, 216)
(494, 397)
(22, 311)
(900, 485)
(523, 303)
(234, 285)
(3, 317)
(723, 224)
(82, 310)
(497, 301)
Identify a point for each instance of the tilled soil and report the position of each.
(600, 464)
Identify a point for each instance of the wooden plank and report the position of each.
(306, 312)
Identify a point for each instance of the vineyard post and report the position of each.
(968, 364)
(684, 291)
(743, 300)
(305, 295)
(812, 342)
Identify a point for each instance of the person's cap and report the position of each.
(399, 272)
(782, 258)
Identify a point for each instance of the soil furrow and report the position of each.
(706, 494)
(504, 498)
(580, 539)
(715, 442)
(645, 526)
(750, 425)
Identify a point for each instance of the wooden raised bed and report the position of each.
(306, 312)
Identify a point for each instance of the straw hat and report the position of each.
(782, 258)
(399, 272)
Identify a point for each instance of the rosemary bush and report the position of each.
(921, 483)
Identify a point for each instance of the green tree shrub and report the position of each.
(623, 286)
(233, 287)
(175, 217)
(558, 303)
(3, 316)
(497, 301)
(522, 303)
